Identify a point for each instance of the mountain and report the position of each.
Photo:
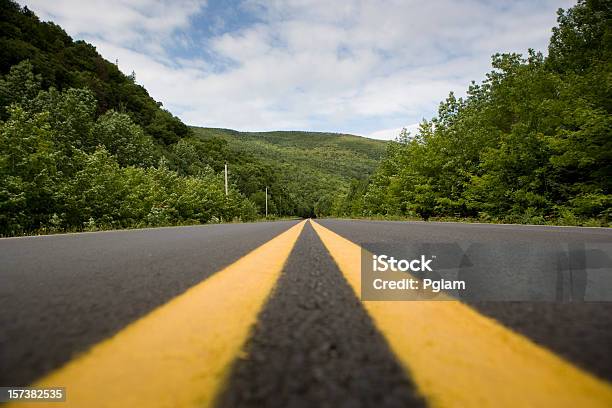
(311, 171)
(339, 155)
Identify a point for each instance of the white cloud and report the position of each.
(385, 134)
(351, 66)
(143, 24)
(393, 133)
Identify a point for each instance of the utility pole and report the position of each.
(266, 201)
(226, 179)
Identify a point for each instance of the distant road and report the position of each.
(268, 314)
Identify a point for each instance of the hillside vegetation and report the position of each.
(307, 172)
(82, 146)
(532, 143)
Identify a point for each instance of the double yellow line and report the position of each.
(459, 358)
(181, 353)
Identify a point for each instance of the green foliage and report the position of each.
(58, 61)
(63, 168)
(307, 173)
(83, 147)
(19, 86)
(532, 143)
(124, 139)
(86, 148)
(29, 165)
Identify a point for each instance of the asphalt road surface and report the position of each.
(97, 307)
(61, 294)
(580, 331)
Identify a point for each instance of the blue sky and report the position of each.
(354, 66)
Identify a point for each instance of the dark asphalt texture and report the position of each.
(315, 346)
(579, 331)
(61, 294)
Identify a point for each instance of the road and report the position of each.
(269, 314)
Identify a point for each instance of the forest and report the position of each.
(531, 143)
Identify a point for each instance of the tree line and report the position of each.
(532, 143)
(63, 63)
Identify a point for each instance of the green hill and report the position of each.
(307, 172)
(341, 155)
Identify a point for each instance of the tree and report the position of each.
(123, 139)
(19, 86)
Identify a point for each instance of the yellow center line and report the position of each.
(178, 355)
(459, 358)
